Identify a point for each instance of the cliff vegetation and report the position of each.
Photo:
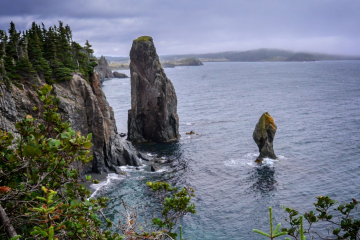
(49, 53)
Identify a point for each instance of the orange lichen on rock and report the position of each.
(269, 120)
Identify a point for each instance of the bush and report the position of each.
(39, 180)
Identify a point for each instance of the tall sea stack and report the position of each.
(153, 114)
(264, 135)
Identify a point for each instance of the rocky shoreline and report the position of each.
(83, 104)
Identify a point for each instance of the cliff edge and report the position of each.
(81, 103)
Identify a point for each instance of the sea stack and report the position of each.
(153, 114)
(103, 69)
(264, 135)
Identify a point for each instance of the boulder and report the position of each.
(264, 135)
(120, 75)
(153, 115)
(155, 167)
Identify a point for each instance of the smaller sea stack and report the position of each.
(264, 135)
(153, 114)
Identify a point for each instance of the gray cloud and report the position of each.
(199, 26)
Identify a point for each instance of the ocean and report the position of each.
(316, 107)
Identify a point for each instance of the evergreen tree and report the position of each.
(3, 42)
(49, 53)
(24, 66)
(36, 53)
(12, 53)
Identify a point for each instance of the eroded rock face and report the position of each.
(85, 106)
(153, 114)
(103, 69)
(264, 135)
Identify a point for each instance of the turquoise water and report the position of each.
(316, 106)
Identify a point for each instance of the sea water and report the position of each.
(316, 107)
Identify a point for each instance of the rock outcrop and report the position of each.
(189, 62)
(103, 69)
(153, 114)
(264, 135)
(85, 106)
(119, 75)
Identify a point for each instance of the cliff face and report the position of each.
(153, 114)
(103, 69)
(85, 106)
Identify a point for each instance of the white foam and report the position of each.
(99, 186)
(249, 160)
(190, 123)
(160, 170)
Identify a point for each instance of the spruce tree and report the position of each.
(50, 53)
(24, 66)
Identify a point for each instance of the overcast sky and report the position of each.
(198, 26)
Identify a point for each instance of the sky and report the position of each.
(198, 26)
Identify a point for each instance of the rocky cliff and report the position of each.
(103, 69)
(81, 103)
(153, 114)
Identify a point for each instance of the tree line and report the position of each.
(50, 54)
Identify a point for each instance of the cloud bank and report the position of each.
(200, 26)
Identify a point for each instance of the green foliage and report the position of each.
(274, 233)
(48, 53)
(63, 74)
(176, 203)
(341, 220)
(39, 179)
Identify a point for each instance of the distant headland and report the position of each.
(257, 55)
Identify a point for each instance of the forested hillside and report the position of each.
(48, 53)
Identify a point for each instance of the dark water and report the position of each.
(316, 106)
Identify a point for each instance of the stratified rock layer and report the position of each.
(85, 106)
(103, 69)
(264, 135)
(153, 114)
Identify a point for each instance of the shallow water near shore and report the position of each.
(316, 106)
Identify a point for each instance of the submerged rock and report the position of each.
(153, 115)
(264, 135)
(155, 167)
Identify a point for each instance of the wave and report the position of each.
(101, 185)
(249, 160)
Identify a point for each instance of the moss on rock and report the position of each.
(143, 38)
